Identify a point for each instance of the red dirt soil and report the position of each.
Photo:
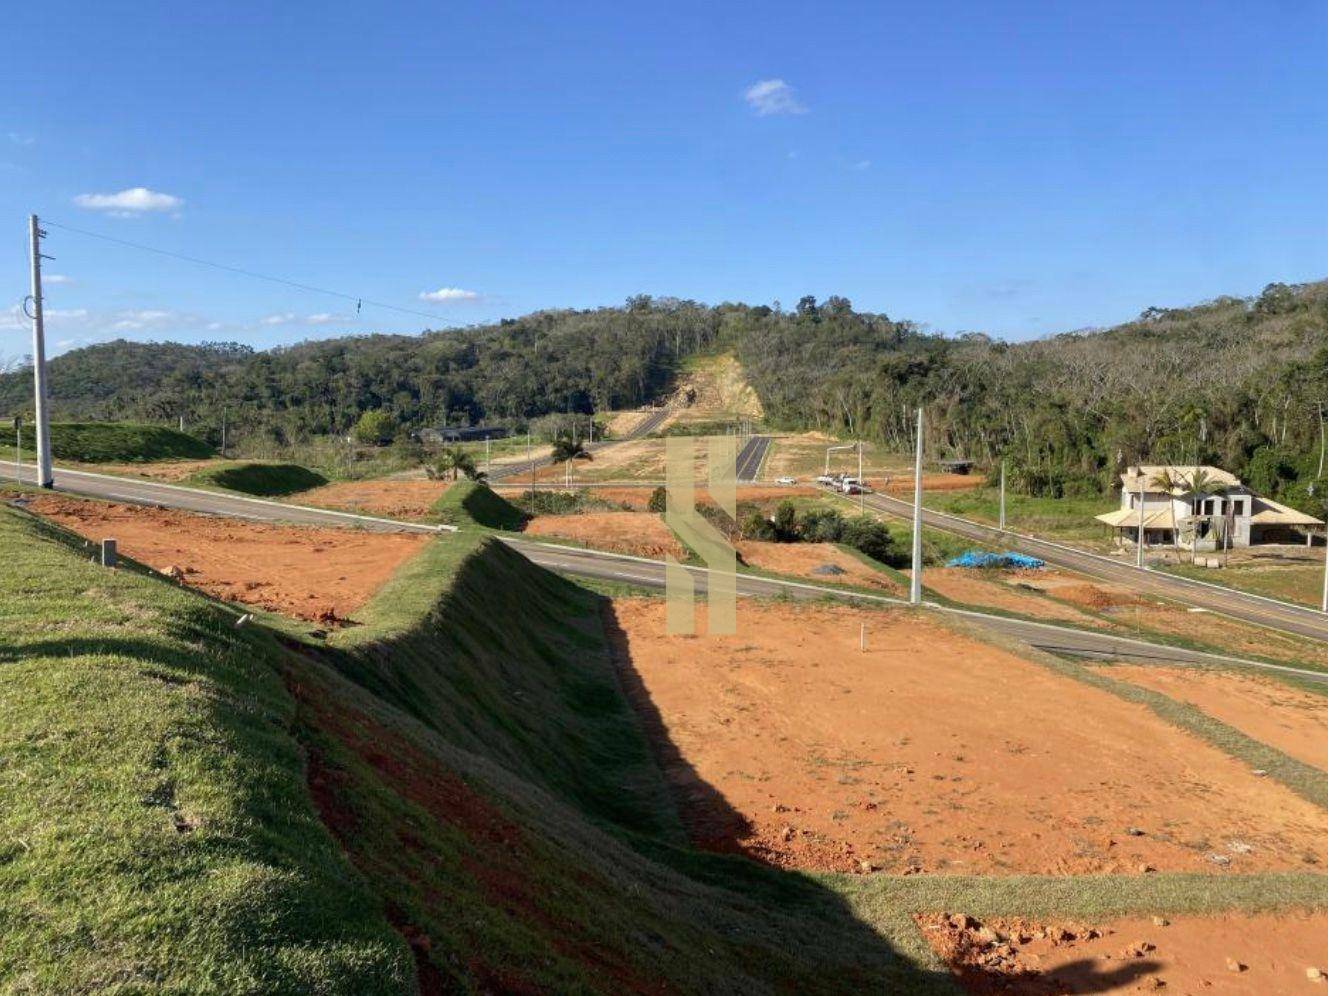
(802, 560)
(977, 588)
(160, 470)
(1221, 955)
(1293, 721)
(934, 752)
(316, 574)
(392, 499)
(641, 534)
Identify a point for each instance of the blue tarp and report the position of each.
(1007, 560)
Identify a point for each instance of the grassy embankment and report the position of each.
(265, 480)
(117, 442)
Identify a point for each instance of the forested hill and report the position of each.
(1235, 381)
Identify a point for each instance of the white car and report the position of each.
(786, 480)
(827, 480)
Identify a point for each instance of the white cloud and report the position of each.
(131, 202)
(768, 97)
(19, 139)
(447, 295)
(861, 164)
(56, 278)
(291, 318)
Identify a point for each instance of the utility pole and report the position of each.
(223, 433)
(1325, 569)
(1002, 496)
(915, 585)
(1139, 546)
(44, 478)
(862, 485)
(18, 448)
(488, 463)
(530, 460)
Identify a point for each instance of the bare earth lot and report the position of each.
(933, 752)
(309, 573)
(1223, 956)
(804, 559)
(641, 534)
(1292, 720)
(390, 498)
(999, 590)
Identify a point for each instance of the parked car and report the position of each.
(786, 480)
(828, 480)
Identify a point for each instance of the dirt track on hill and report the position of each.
(321, 575)
(935, 753)
(394, 499)
(640, 534)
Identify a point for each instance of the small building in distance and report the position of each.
(1203, 508)
(462, 434)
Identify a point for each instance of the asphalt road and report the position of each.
(1300, 620)
(630, 570)
(138, 492)
(750, 457)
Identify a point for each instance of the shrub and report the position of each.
(659, 499)
(871, 537)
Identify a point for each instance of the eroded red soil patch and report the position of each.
(311, 573)
(390, 498)
(1222, 955)
(998, 590)
(934, 752)
(641, 534)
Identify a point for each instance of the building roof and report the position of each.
(1161, 518)
(1270, 513)
(1130, 480)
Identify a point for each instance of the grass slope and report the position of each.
(118, 442)
(471, 503)
(266, 480)
(155, 832)
(478, 760)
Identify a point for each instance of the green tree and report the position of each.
(375, 428)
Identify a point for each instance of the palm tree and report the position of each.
(451, 462)
(566, 449)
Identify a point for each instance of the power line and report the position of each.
(245, 273)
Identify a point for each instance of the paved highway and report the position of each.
(1300, 620)
(751, 456)
(124, 489)
(620, 568)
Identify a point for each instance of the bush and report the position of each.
(756, 526)
(375, 428)
(786, 522)
(869, 536)
(822, 525)
(659, 500)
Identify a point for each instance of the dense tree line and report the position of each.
(1236, 381)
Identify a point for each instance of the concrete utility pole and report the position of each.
(1002, 496)
(18, 448)
(862, 485)
(1325, 569)
(44, 478)
(1139, 546)
(915, 585)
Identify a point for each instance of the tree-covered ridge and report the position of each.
(1235, 381)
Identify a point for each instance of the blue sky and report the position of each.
(1014, 168)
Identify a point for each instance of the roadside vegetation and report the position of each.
(469, 502)
(1065, 520)
(116, 442)
(266, 480)
(1301, 582)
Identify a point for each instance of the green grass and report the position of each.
(1301, 582)
(1067, 520)
(468, 503)
(266, 480)
(118, 442)
(155, 832)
